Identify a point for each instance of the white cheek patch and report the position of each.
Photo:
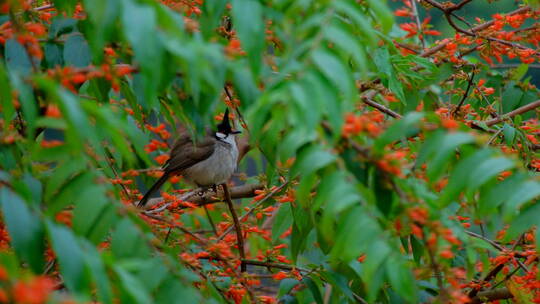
(221, 135)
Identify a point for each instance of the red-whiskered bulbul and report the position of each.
(208, 162)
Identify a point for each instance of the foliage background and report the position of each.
(389, 168)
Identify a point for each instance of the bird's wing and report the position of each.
(186, 153)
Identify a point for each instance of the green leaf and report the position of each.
(17, 59)
(351, 226)
(53, 55)
(401, 278)
(98, 271)
(363, 26)
(28, 103)
(8, 109)
(509, 133)
(93, 215)
(248, 21)
(524, 193)
(71, 258)
(71, 192)
(387, 72)
(312, 159)
(25, 229)
(315, 291)
(459, 178)
(449, 143)
(519, 72)
(493, 197)
(127, 241)
(140, 24)
(335, 71)
(400, 129)
(282, 221)
(135, 288)
(383, 14)
(67, 6)
(76, 51)
(338, 34)
(524, 221)
(489, 168)
(417, 249)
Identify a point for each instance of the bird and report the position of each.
(205, 163)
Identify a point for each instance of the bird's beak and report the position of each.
(236, 132)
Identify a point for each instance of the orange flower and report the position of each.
(410, 28)
(34, 292)
(124, 70)
(161, 159)
(361, 258)
(3, 274)
(53, 111)
(403, 12)
(446, 254)
(78, 78)
(267, 299)
(450, 124)
(109, 51)
(51, 143)
(280, 276)
(3, 296)
(37, 29)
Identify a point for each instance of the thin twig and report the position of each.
(491, 295)
(175, 225)
(477, 28)
(210, 220)
(237, 227)
(526, 108)
(274, 265)
(269, 195)
(367, 99)
(418, 23)
(469, 84)
(243, 191)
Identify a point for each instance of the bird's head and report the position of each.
(224, 129)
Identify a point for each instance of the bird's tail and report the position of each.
(153, 189)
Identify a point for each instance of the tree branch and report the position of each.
(269, 195)
(367, 99)
(237, 227)
(477, 28)
(210, 197)
(469, 84)
(491, 295)
(526, 108)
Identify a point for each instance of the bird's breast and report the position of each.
(216, 169)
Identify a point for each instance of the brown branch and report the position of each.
(514, 65)
(43, 7)
(367, 99)
(175, 225)
(477, 28)
(418, 24)
(243, 191)
(491, 295)
(237, 226)
(526, 108)
(492, 243)
(459, 5)
(274, 265)
(469, 84)
(269, 195)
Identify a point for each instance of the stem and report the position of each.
(237, 227)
